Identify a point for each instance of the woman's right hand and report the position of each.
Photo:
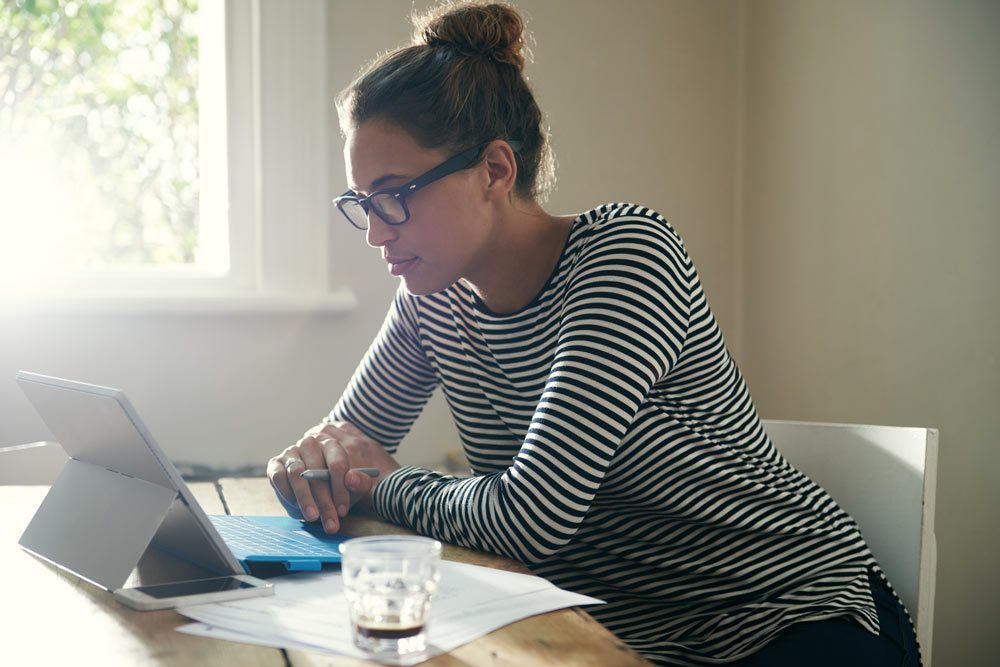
(335, 447)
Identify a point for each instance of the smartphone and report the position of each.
(195, 591)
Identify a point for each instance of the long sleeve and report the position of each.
(393, 382)
(389, 387)
(623, 323)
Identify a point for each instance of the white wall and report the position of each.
(871, 189)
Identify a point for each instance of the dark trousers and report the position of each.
(842, 641)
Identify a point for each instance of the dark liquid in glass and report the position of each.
(388, 633)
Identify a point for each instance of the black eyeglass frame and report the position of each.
(453, 164)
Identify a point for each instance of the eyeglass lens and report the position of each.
(387, 207)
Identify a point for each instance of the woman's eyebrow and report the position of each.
(382, 180)
(377, 183)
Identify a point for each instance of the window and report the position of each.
(163, 146)
(109, 141)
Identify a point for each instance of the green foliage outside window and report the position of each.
(110, 86)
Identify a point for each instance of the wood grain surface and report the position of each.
(563, 637)
(49, 616)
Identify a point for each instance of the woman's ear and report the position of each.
(501, 167)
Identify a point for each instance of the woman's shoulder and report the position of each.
(626, 223)
(617, 210)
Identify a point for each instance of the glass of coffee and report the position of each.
(388, 582)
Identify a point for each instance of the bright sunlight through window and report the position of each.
(112, 143)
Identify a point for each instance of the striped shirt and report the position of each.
(614, 448)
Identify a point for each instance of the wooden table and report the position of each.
(48, 616)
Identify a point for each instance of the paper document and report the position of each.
(309, 611)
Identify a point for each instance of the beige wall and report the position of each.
(228, 389)
(641, 97)
(871, 190)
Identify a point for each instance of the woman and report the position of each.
(614, 444)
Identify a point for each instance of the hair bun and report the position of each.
(490, 30)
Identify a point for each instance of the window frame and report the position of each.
(278, 133)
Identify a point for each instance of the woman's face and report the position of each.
(449, 223)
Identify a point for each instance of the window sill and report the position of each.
(338, 301)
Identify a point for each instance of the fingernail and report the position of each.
(311, 513)
(342, 510)
(330, 525)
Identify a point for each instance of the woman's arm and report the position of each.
(393, 382)
(387, 392)
(623, 327)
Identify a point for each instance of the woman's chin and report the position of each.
(417, 287)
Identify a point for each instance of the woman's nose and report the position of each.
(379, 233)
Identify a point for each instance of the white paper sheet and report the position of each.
(309, 611)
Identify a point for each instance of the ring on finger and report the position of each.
(290, 462)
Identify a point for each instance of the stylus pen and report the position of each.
(325, 474)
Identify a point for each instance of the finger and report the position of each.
(352, 441)
(360, 483)
(332, 427)
(294, 463)
(330, 430)
(278, 476)
(315, 459)
(340, 429)
(338, 465)
(314, 430)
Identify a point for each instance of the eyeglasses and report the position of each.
(390, 203)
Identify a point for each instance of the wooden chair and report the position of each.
(885, 477)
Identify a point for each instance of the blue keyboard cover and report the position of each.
(279, 539)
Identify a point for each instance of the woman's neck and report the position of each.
(525, 248)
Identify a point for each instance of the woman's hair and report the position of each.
(460, 84)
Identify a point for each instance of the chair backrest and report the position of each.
(885, 477)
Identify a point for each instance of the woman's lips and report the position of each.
(402, 267)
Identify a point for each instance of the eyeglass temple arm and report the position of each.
(460, 161)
